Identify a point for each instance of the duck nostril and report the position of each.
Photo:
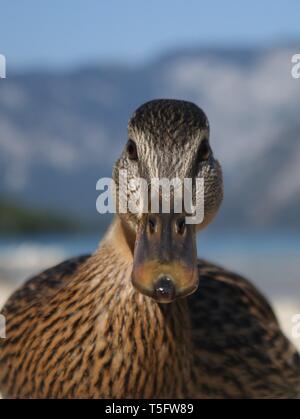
(164, 290)
(152, 224)
(180, 226)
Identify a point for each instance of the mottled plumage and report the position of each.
(81, 330)
(89, 334)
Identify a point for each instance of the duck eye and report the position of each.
(204, 150)
(131, 150)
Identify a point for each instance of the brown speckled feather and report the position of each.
(81, 330)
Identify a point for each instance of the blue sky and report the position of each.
(67, 32)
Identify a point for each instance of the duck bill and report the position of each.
(165, 257)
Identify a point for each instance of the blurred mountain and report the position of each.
(61, 131)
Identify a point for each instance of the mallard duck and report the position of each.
(142, 317)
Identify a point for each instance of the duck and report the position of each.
(143, 316)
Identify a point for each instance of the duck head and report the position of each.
(167, 140)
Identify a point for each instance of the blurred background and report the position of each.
(75, 72)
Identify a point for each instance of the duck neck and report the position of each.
(156, 336)
(120, 239)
